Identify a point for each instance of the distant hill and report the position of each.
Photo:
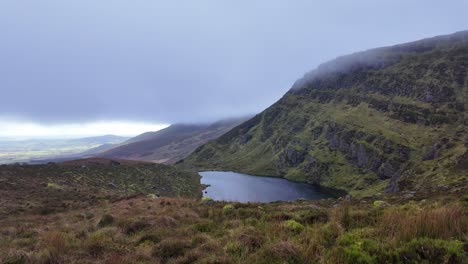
(106, 139)
(387, 119)
(171, 144)
(44, 150)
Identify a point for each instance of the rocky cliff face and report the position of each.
(381, 120)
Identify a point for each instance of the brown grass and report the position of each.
(443, 223)
(177, 230)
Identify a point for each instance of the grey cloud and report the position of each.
(185, 61)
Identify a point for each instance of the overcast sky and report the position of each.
(162, 62)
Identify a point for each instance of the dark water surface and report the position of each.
(232, 186)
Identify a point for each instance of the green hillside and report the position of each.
(386, 119)
(78, 184)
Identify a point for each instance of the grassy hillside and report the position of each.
(381, 120)
(171, 144)
(45, 189)
(410, 228)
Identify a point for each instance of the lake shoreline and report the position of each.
(335, 193)
(255, 188)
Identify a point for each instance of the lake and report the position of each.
(232, 186)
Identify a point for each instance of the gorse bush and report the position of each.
(228, 209)
(293, 226)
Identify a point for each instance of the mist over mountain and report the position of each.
(155, 62)
(171, 144)
(387, 119)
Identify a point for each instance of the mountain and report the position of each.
(381, 120)
(171, 144)
(99, 140)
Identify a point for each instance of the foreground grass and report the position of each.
(179, 230)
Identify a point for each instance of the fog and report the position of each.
(29, 130)
(155, 62)
(374, 58)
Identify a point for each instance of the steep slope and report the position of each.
(171, 144)
(381, 120)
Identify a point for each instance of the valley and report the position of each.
(88, 221)
(45, 150)
(363, 161)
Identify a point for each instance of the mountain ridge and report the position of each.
(170, 144)
(365, 123)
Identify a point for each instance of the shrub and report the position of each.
(356, 254)
(294, 226)
(46, 210)
(251, 239)
(228, 209)
(312, 216)
(135, 227)
(167, 221)
(280, 253)
(15, 259)
(328, 234)
(352, 249)
(426, 250)
(55, 245)
(346, 219)
(190, 257)
(282, 216)
(149, 238)
(207, 200)
(200, 239)
(171, 247)
(234, 248)
(205, 227)
(252, 221)
(99, 241)
(143, 253)
(350, 217)
(106, 220)
(47, 256)
(55, 186)
(152, 196)
(380, 204)
(249, 212)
